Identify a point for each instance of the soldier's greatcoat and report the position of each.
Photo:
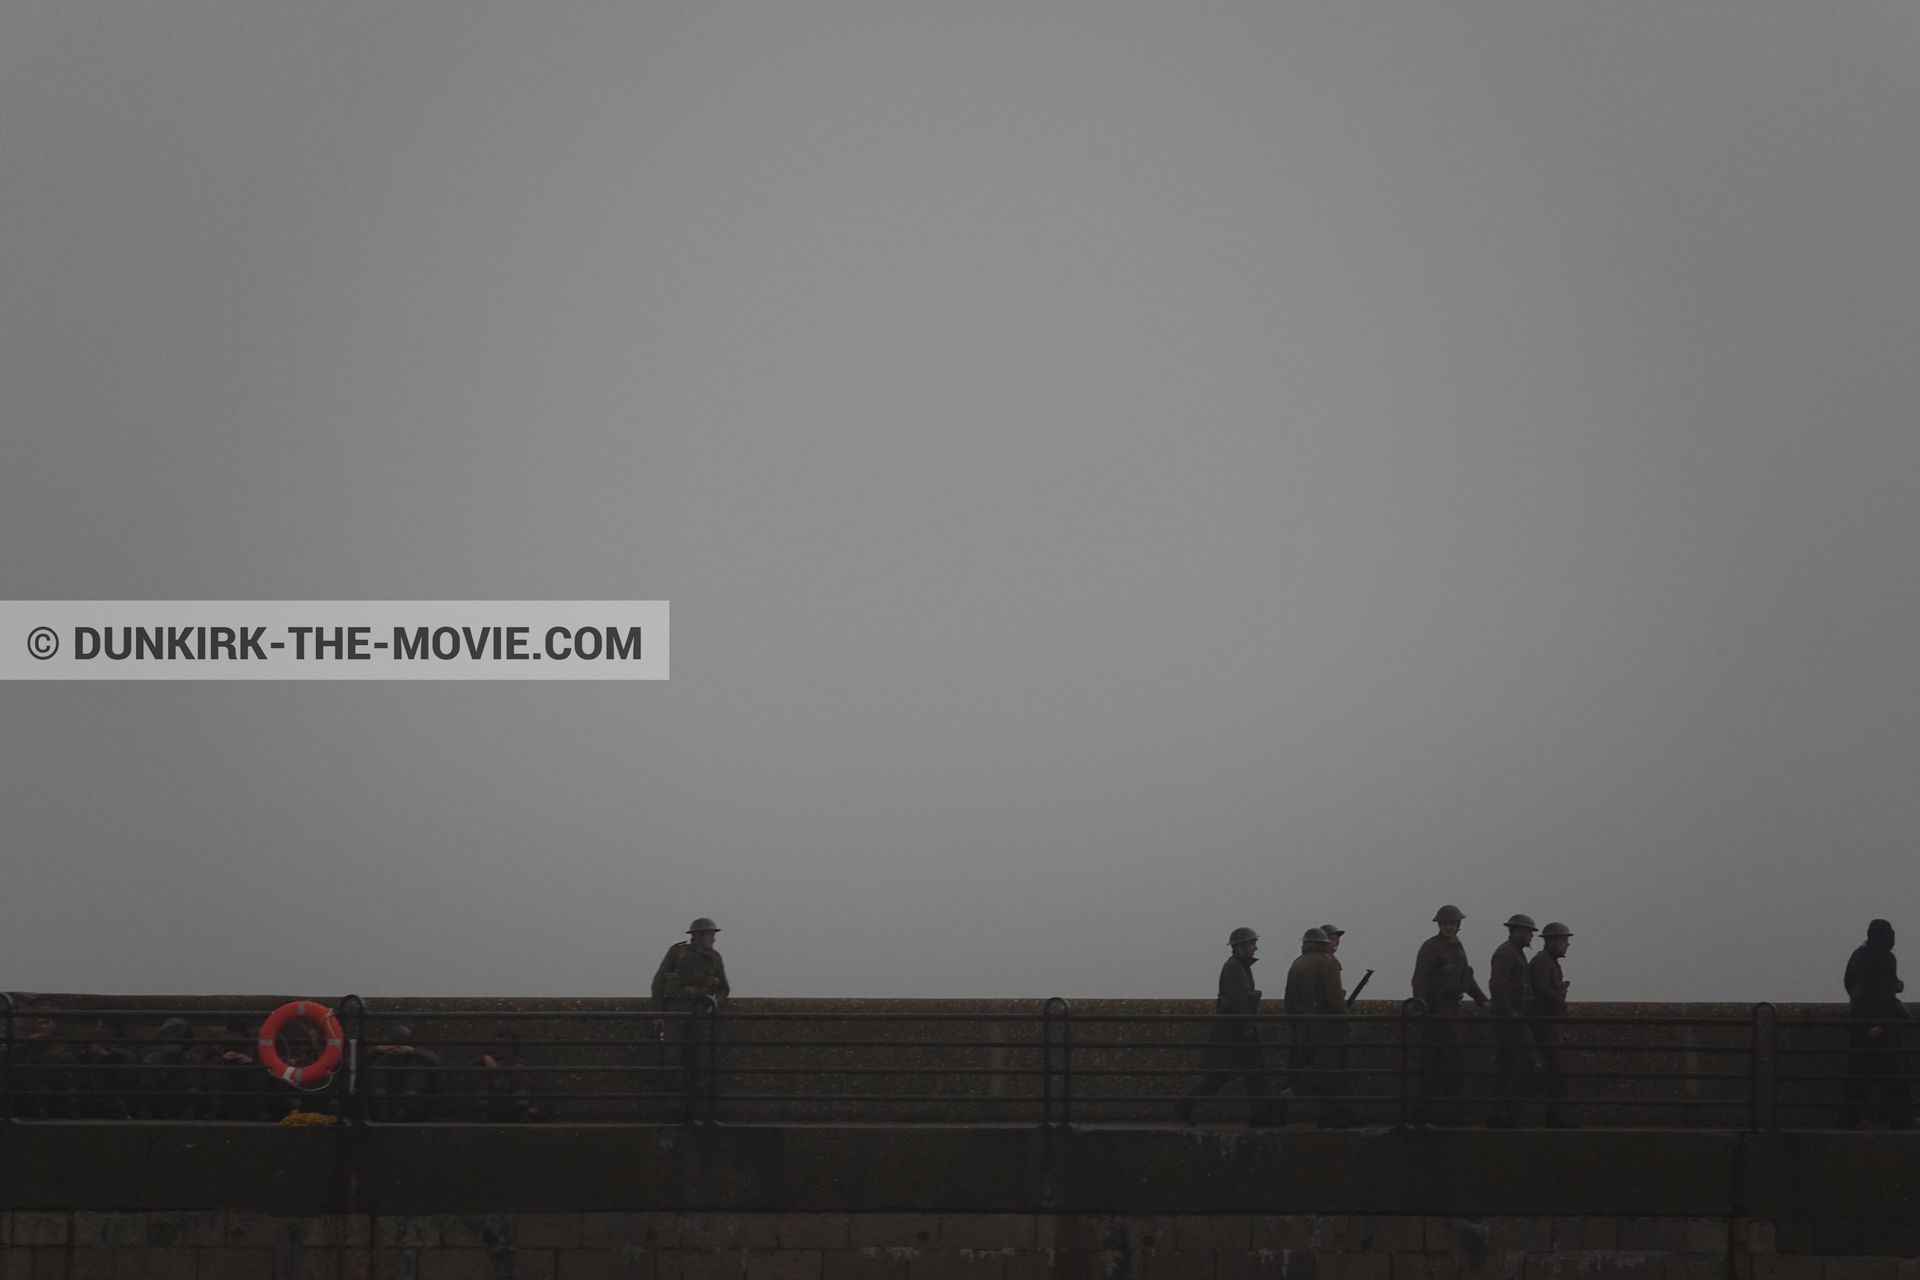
(1548, 987)
(1549, 1000)
(1441, 975)
(687, 972)
(1319, 1052)
(1512, 992)
(1234, 1044)
(1313, 986)
(1512, 989)
(1876, 1061)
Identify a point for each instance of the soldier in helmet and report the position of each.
(1513, 1045)
(1318, 1055)
(1442, 978)
(689, 971)
(1234, 1047)
(1549, 1005)
(1876, 1058)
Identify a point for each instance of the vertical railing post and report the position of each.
(348, 1079)
(366, 1108)
(1764, 1094)
(1047, 1064)
(713, 1061)
(1066, 1064)
(690, 1063)
(1407, 1008)
(8, 1110)
(1047, 1014)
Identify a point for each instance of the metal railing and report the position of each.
(1050, 1064)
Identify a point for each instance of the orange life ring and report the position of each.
(309, 1011)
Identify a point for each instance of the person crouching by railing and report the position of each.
(163, 1085)
(107, 1070)
(402, 1079)
(229, 1081)
(1876, 1057)
(502, 1081)
(41, 1065)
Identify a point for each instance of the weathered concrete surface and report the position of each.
(221, 1245)
(1803, 1178)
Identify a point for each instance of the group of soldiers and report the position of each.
(217, 1077)
(1526, 993)
(1529, 994)
(1527, 1004)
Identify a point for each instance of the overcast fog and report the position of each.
(1119, 473)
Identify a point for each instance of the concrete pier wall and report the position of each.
(97, 1201)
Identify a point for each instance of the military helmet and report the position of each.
(1449, 914)
(1240, 935)
(1520, 921)
(1555, 929)
(704, 924)
(1314, 937)
(1332, 931)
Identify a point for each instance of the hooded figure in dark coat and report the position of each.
(163, 1085)
(1876, 1048)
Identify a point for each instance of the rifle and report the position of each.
(1360, 986)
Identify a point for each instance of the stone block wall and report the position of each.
(220, 1245)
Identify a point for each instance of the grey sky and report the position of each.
(1119, 472)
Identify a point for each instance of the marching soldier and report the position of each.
(690, 970)
(1875, 1053)
(1234, 1048)
(1442, 978)
(1513, 1046)
(1318, 1054)
(1548, 1007)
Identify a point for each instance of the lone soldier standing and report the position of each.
(1318, 1055)
(1442, 978)
(1548, 1007)
(1513, 1046)
(1234, 1048)
(690, 970)
(1875, 1052)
